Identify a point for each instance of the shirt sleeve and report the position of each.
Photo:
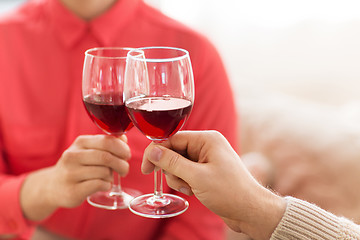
(303, 220)
(12, 221)
(214, 109)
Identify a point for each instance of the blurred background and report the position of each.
(308, 49)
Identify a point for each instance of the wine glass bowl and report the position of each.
(102, 93)
(108, 112)
(159, 95)
(160, 91)
(159, 117)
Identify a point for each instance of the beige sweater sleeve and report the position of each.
(303, 220)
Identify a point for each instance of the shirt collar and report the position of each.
(70, 28)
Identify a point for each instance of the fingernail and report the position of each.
(155, 154)
(185, 191)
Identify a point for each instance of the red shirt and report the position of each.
(42, 48)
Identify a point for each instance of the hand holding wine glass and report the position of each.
(82, 169)
(159, 95)
(203, 163)
(102, 91)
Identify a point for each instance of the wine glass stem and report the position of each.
(158, 183)
(116, 186)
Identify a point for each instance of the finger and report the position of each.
(147, 166)
(87, 188)
(178, 184)
(93, 172)
(103, 159)
(170, 161)
(123, 138)
(196, 144)
(114, 145)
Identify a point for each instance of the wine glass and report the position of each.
(102, 94)
(159, 95)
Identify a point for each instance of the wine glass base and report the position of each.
(168, 206)
(113, 200)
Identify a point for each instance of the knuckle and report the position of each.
(68, 155)
(107, 142)
(80, 140)
(106, 158)
(102, 142)
(215, 136)
(214, 133)
(173, 161)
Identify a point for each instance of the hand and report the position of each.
(213, 171)
(83, 169)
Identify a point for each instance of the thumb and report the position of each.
(170, 161)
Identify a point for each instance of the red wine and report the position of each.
(108, 112)
(159, 117)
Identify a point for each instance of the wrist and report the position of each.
(267, 212)
(34, 196)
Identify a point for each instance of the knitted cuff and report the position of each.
(303, 220)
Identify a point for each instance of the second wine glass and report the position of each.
(102, 92)
(159, 95)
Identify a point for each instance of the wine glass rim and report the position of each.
(88, 52)
(141, 53)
